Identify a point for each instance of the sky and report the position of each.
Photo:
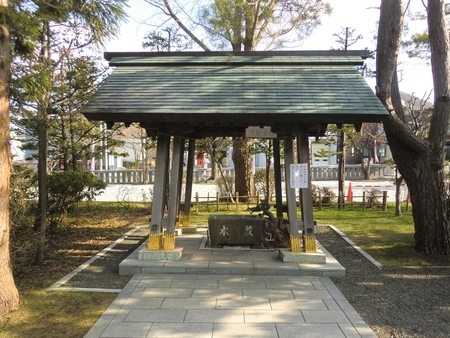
(361, 15)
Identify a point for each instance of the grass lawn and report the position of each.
(387, 238)
(55, 314)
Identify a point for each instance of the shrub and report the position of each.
(327, 194)
(23, 193)
(67, 188)
(373, 196)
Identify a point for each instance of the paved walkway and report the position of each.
(234, 294)
(217, 306)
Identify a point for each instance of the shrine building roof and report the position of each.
(200, 94)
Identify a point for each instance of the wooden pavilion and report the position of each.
(178, 96)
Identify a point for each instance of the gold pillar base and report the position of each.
(309, 243)
(295, 243)
(186, 221)
(169, 242)
(154, 242)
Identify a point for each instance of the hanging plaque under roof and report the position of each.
(259, 132)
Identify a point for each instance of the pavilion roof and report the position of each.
(199, 94)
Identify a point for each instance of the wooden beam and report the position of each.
(189, 180)
(174, 184)
(277, 172)
(309, 240)
(159, 187)
(290, 192)
(180, 175)
(305, 193)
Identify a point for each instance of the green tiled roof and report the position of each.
(206, 95)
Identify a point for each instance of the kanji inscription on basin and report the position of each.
(235, 230)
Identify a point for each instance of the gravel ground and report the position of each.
(394, 302)
(104, 272)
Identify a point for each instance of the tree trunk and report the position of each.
(366, 169)
(398, 202)
(228, 191)
(428, 196)
(243, 166)
(244, 179)
(42, 159)
(42, 178)
(144, 156)
(9, 296)
(268, 176)
(146, 164)
(71, 148)
(341, 170)
(240, 182)
(249, 168)
(420, 162)
(213, 164)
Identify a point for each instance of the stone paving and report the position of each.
(235, 294)
(197, 258)
(214, 306)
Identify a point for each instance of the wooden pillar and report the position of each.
(309, 236)
(277, 172)
(180, 180)
(159, 192)
(290, 195)
(189, 180)
(169, 242)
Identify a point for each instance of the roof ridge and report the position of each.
(130, 61)
(312, 53)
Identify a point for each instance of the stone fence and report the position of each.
(319, 173)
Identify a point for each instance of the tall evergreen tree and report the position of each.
(419, 160)
(57, 28)
(9, 296)
(247, 25)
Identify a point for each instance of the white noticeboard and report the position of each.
(299, 175)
